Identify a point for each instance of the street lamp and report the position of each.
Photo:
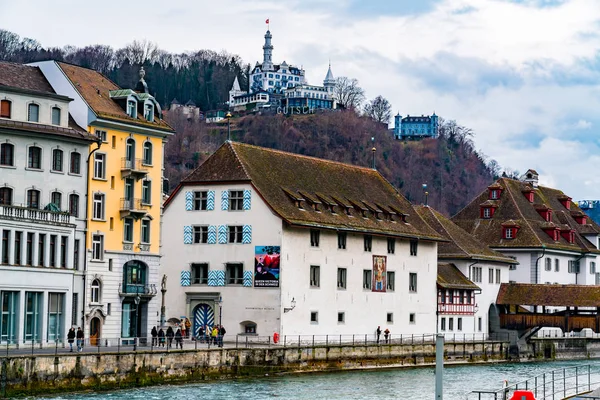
(135, 324)
(228, 116)
(293, 305)
(220, 303)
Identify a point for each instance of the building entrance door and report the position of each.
(203, 315)
(95, 331)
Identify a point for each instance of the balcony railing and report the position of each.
(133, 207)
(133, 167)
(142, 290)
(36, 215)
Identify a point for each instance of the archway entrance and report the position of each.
(95, 327)
(203, 315)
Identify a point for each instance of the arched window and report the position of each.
(5, 108)
(130, 152)
(7, 154)
(147, 153)
(55, 116)
(75, 166)
(95, 291)
(33, 198)
(149, 112)
(56, 199)
(33, 113)
(6, 196)
(35, 157)
(74, 205)
(248, 327)
(57, 160)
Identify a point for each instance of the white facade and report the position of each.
(320, 309)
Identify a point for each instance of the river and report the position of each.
(416, 383)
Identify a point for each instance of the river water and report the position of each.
(416, 383)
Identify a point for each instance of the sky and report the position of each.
(524, 75)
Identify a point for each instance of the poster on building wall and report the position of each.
(266, 266)
(379, 273)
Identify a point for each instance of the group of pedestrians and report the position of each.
(211, 335)
(162, 338)
(386, 334)
(72, 335)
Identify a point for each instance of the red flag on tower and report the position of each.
(267, 21)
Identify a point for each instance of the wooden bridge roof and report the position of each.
(526, 294)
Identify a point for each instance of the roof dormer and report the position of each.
(544, 211)
(494, 191)
(568, 234)
(551, 230)
(529, 193)
(565, 201)
(510, 229)
(487, 209)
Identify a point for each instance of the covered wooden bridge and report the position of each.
(525, 307)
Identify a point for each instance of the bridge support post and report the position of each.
(439, 367)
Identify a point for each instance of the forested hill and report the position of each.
(452, 169)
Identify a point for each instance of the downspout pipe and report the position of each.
(85, 233)
(578, 269)
(537, 269)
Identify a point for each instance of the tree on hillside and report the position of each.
(379, 109)
(347, 93)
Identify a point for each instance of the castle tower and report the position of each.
(235, 91)
(268, 53)
(329, 81)
(397, 125)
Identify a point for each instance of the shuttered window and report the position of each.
(5, 106)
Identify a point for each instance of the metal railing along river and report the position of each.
(240, 341)
(553, 385)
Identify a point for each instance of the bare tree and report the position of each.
(138, 52)
(9, 44)
(98, 57)
(347, 93)
(379, 109)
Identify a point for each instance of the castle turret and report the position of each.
(397, 125)
(235, 91)
(268, 53)
(329, 81)
(434, 125)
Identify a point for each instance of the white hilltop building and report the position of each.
(282, 85)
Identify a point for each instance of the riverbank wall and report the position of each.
(46, 374)
(569, 348)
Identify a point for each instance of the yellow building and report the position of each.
(124, 200)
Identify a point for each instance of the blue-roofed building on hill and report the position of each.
(591, 208)
(414, 127)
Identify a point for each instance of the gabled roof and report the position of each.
(24, 77)
(514, 209)
(461, 244)
(528, 294)
(275, 174)
(450, 277)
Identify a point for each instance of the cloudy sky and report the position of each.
(523, 74)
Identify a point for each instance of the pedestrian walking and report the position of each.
(222, 333)
(214, 334)
(201, 334)
(170, 334)
(378, 333)
(207, 334)
(179, 339)
(80, 339)
(154, 334)
(386, 335)
(71, 338)
(188, 327)
(161, 337)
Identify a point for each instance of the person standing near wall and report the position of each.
(378, 333)
(154, 334)
(71, 338)
(80, 339)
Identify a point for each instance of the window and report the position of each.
(9, 309)
(5, 108)
(76, 255)
(33, 198)
(98, 206)
(548, 264)
(573, 267)
(95, 291)
(99, 166)
(97, 247)
(249, 327)
(147, 153)
(479, 324)
(200, 274)
(56, 199)
(341, 317)
(413, 247)
(29, 249)
(75, 165)
(108, 308)
(201, 201)
(146, 191)
(490, 275)
(110, 264)
(7, 154)
(494, 194)
(6, 196)
(509, 233)
(487, 213)
(315, 276)
(52, 255)
(35, 157)
(55, 316)
(391, 281)
(314, 317)
(145, 234)
(55, 116)
(412, 318)
(592, 267)
(201, 234)
(102, 136)
(459, 323)
(149, 112)
(235, 233)
(17, 253)
(450, 324)
(367, 279)
(368, 242)
(41, 249)
(412, 282)
(113, 140)
(128, 230)
(477, 274)
(236, 200)
(498, 276)
(33, 316)
(342, 236)
(443, 324)
(74, 205)
(235, 273)
(315, 236)
(5, 246)
(33, 113)
(341, 278)
(389, 318)
(391, 245)
(131, 108)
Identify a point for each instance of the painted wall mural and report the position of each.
(379, 273)
(266, 266)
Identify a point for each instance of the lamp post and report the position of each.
(228, 116)
(220, 303)
(135, 324)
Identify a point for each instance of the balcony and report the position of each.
(133, 168)
(36, 215)
(133, 290)
(133, 208)
(457, 309)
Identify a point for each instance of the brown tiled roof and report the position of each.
(95, 87)
(273, 173)
(548, 295)
(515, 209)
(461, 244)
(24, 77)
(450, 277)
(73, 131)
